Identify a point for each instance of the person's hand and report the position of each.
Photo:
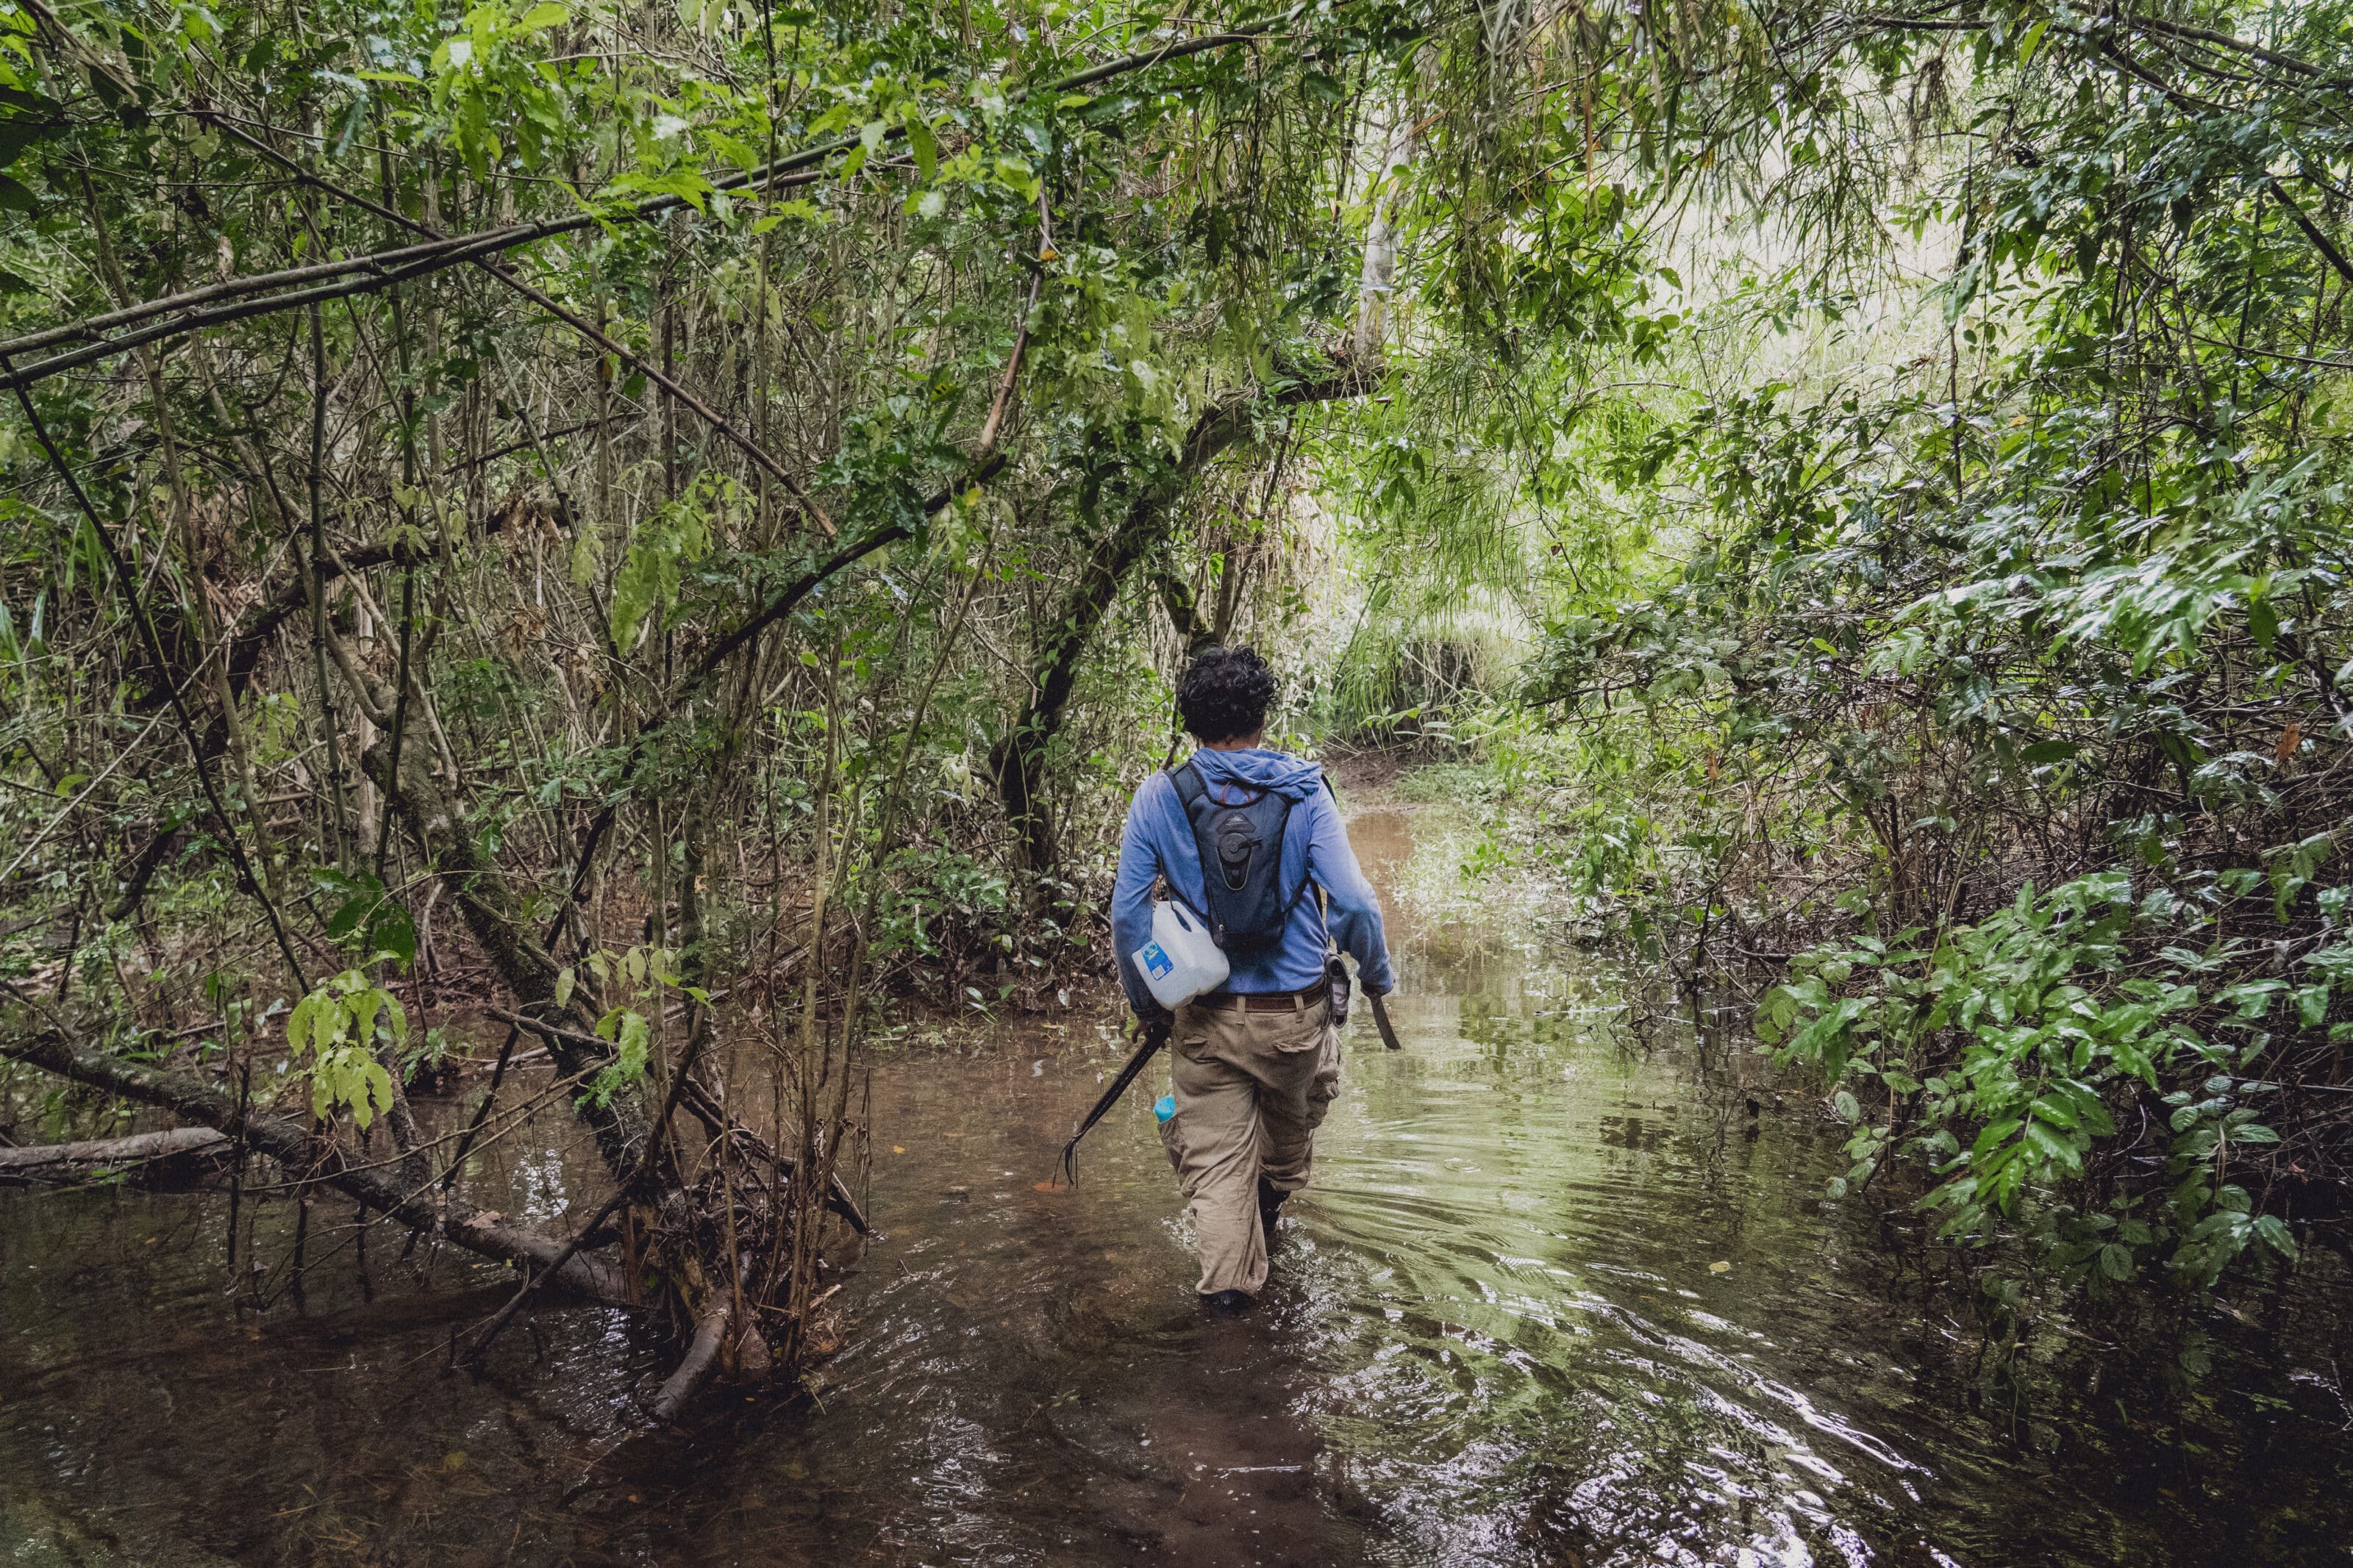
(1148, 1017)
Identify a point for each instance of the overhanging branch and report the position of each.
(202, 307)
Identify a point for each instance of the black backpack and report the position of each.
(1241, 863)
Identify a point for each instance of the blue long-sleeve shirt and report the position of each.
(1158, 842)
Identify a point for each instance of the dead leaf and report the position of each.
(1719, 1268)
(2290, 738)
(898, 1148)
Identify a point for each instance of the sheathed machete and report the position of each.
(1155, 1034)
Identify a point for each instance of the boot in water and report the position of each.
(1226, 1303)
(1270, 1207)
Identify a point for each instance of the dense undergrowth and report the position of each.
(1947, 646)
(675, 523)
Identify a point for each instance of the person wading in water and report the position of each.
(1248, 839)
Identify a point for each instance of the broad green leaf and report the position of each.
(925, 149)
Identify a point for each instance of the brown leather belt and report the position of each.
(1267, 1002)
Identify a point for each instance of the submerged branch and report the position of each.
(288, 1141)
(701, 1360)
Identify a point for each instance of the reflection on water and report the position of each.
(1558, 1296)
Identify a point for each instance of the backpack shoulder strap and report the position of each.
(1190, 786)
(1191, 791)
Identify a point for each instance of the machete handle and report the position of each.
(1381, 1019)
(1155, 1033)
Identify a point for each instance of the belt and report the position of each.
(1267, 1002)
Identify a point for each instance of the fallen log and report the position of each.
(98, 1158)
(288, 1141)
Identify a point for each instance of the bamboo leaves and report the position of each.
(489, 87)
(674, 539)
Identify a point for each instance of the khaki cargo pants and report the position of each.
(1251, 1089)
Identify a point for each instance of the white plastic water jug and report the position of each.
(1180, 961)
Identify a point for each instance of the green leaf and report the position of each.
(15, 135)
(2056, 1111)
(926, 151)
(392, 931)
(370, 1091)
(17, 197)
(2049, 1146)
(2117, 1261)
(346, 919)
(2262, 622)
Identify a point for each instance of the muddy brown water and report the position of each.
(1555, 1297)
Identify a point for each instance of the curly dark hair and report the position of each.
(1224, 694)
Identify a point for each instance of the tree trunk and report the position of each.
(1019, 760)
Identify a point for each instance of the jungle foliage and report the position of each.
(666, 525)
(1984, 656)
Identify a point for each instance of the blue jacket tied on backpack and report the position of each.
(1159, 842)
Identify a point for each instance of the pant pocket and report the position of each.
(1173, 1139)
(1324, 1087)
(1303, 1031)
